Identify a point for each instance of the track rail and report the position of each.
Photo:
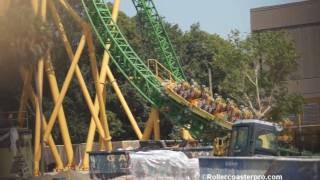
(155, 30)
(121, 53)
(142, 78)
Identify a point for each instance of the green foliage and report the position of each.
(198, 49)
(257, 69)
(20, 40)
(231, 62)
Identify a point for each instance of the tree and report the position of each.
(257, 70)
(197, 54)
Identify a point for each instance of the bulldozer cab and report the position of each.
(254, 137)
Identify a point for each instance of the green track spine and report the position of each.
(121, 53)
(156, 31)
(135, 70)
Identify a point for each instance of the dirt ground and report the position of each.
(73, 175)
(67, 175)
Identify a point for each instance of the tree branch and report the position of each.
(257, 88)
(250, 79)
(249, 102)
(267, 110)
(270, 97)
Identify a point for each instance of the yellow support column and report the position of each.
(153, 123)
(123, 102)
(55, 93)
(99, 90)
(36, 150)
(98, 99)
(35, 5)
(24, 99)
(35, 103)
(102, 79)
(64, 89)
(101, 144)
(78, 73)
(149, 125)
(38, 123)
(156, 120)
(37, 129)
(52, 146)
(61, 116)
(113, 81)
(89, 145)
(4, 6)
(185, 135)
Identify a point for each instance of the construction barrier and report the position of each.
(167, 162)
(107, 165)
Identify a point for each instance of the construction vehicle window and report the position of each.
(241, 139)
(265, 140)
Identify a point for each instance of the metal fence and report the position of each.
(13, 118)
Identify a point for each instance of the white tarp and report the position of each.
(163, 165)
(14, 136)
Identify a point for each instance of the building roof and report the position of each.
(286, 15)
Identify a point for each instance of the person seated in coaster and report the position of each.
(236, 114)
(185, 87)
(177, 88)
(246, 113)
(220, 104)
(212, 105)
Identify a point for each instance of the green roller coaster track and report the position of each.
(121, 53)
(141, 77)
(152, 24)
(136, 71)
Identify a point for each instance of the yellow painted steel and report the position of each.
(107, 73)
(52, 146)
(89, 145)
(107, 137)
(104, 73)
(115, 10)
(4, 6)
(72, 12)
(95, 72)
(106, 69)
(156, 120)
(35, 103)
(61, 115)
(152, 124)
(37, 129)
(99, 90)
(185, 135)
(37, 132)
(23, 98)
(38, 123)
(172, 94)
(123, 102)
(149, 127)
(29, 93)
(104, 95)
(39, 85)
(161, 72)
(35, 6)
(43, 11)
(65, 87)
(98, 121)
(79, 76)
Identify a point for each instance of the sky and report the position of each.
(214, 16)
